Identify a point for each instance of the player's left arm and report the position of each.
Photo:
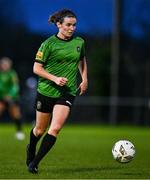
(83, 71)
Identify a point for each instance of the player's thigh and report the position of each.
(14, 110)
(60, 114)
(42, 120)
(2, 107)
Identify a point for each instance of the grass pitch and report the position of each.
(80, 152)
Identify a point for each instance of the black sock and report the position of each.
(18, 123)
(33, 141)
(47, 143)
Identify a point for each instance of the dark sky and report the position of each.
(136, 17)
(94, 16)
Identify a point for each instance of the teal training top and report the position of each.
(60, 58)
(9, 84)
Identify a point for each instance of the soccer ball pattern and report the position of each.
(123, 151)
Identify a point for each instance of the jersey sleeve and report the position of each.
(42, 53)
(82, 55)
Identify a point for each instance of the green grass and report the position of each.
(81, 152)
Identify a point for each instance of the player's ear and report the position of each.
(58, 24)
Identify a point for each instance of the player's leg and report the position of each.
(15, 114)
(2, 107)
(60, 114)
(42, 122)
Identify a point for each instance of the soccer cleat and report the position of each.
(30, 155)
(32, 168)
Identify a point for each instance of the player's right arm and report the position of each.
(39, 70)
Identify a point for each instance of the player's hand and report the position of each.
(83, 87)
(61, 81)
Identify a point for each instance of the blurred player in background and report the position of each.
(9, 94)
(57, 62)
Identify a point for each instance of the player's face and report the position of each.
(5, 66)
(67, 27)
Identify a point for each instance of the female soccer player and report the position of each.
(9, 94)
(57, 62)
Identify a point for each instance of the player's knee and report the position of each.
(55, 130)
(39, 131)
(15, 114)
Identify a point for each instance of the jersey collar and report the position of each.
(63, 39)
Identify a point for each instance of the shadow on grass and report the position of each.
(81, 169)
(133, 173)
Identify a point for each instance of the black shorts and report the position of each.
(45, 104)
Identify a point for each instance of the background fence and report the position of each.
(117, 35)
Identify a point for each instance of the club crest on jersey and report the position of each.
(38, 105)
(39, 55)
(78, 49)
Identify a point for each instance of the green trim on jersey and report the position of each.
(9, 84)
(60, 58)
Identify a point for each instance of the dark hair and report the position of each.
(60, 15)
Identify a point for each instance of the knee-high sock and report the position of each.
(33, 141)
(46, 144)
(18, 123)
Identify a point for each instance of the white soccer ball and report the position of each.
(123, 151)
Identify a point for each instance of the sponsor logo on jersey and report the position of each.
(78, 49)
(39, 55)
